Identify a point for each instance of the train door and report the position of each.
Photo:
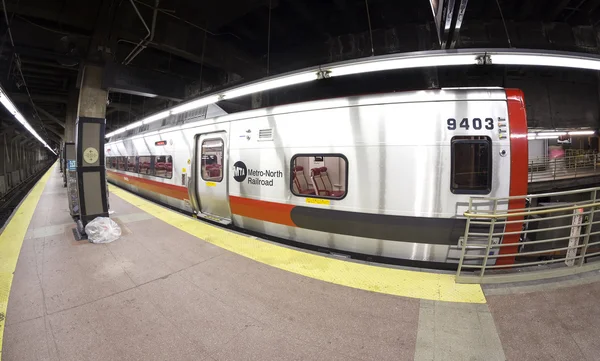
(211, 184)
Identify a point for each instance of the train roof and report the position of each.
(210, 114)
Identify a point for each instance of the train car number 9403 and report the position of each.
(475, 123)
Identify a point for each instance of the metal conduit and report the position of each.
(149, 36)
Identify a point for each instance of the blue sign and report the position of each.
(71, 165)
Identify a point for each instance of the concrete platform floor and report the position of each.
(161, 294)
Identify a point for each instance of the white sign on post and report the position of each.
(574, 237)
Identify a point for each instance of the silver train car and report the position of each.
(385, 175)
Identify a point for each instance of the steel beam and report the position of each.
(23, 98)
(460, 15)
(50, 116)
(124, 79)
(119, 107)
(557, 10)
(300, 8)
(56, 132)
(590, 6)
(44, 54)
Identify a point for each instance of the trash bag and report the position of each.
(102, 230)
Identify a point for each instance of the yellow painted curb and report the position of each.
(414, 284)
(11, 241)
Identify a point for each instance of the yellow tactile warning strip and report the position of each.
(11, 241)
(414, 284)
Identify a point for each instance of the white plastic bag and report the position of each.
(102, 230)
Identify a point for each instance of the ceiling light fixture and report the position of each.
(155, 117)
(545, 137)
(583, 132)
(436, 58)
(406, 62)
(269, 84)
(8, 104)
(211, 99)
(532, 58)
(550, 134)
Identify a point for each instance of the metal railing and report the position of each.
(573, 165)
(555, 237)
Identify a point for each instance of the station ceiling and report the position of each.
(205, 45)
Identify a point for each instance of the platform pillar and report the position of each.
(72, 105)
(89, 146)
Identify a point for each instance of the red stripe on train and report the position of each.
(518, 169)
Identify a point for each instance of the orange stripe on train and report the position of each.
(265, 211)
(166, 189)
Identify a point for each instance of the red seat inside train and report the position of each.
(323, 184)
(144, 167)
(300, 182)
(213, 170)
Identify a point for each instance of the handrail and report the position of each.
(538, 195)
(546, 235)
(572, 165)
(520, 214)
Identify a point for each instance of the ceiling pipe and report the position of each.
(148, 38)
(144, 39)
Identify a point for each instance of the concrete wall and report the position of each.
(19, 161)
(560, 103)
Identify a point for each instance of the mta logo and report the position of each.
(239, 171)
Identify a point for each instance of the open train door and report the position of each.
(211, 177)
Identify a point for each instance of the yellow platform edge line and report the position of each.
(406, 283)
(11, 240)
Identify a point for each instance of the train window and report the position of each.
(163, 166)
(212, 160)
(131, 164)
(121, 163)
(319, 175)
(145, 165)
(471, 165)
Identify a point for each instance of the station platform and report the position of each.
(176, 288)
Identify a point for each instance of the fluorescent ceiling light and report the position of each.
(271, 84)
(157, 116)
(118, 131)
(134, 125)
(211, 99)
(582, 132)
(391, 62)
(567, 61)
(547, 137)
(405, 63)
(22, 120)
(550, 134)
(8, 104)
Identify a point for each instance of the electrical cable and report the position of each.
(18, 63)
(370, 30)
(504, 23)
(269, 40)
